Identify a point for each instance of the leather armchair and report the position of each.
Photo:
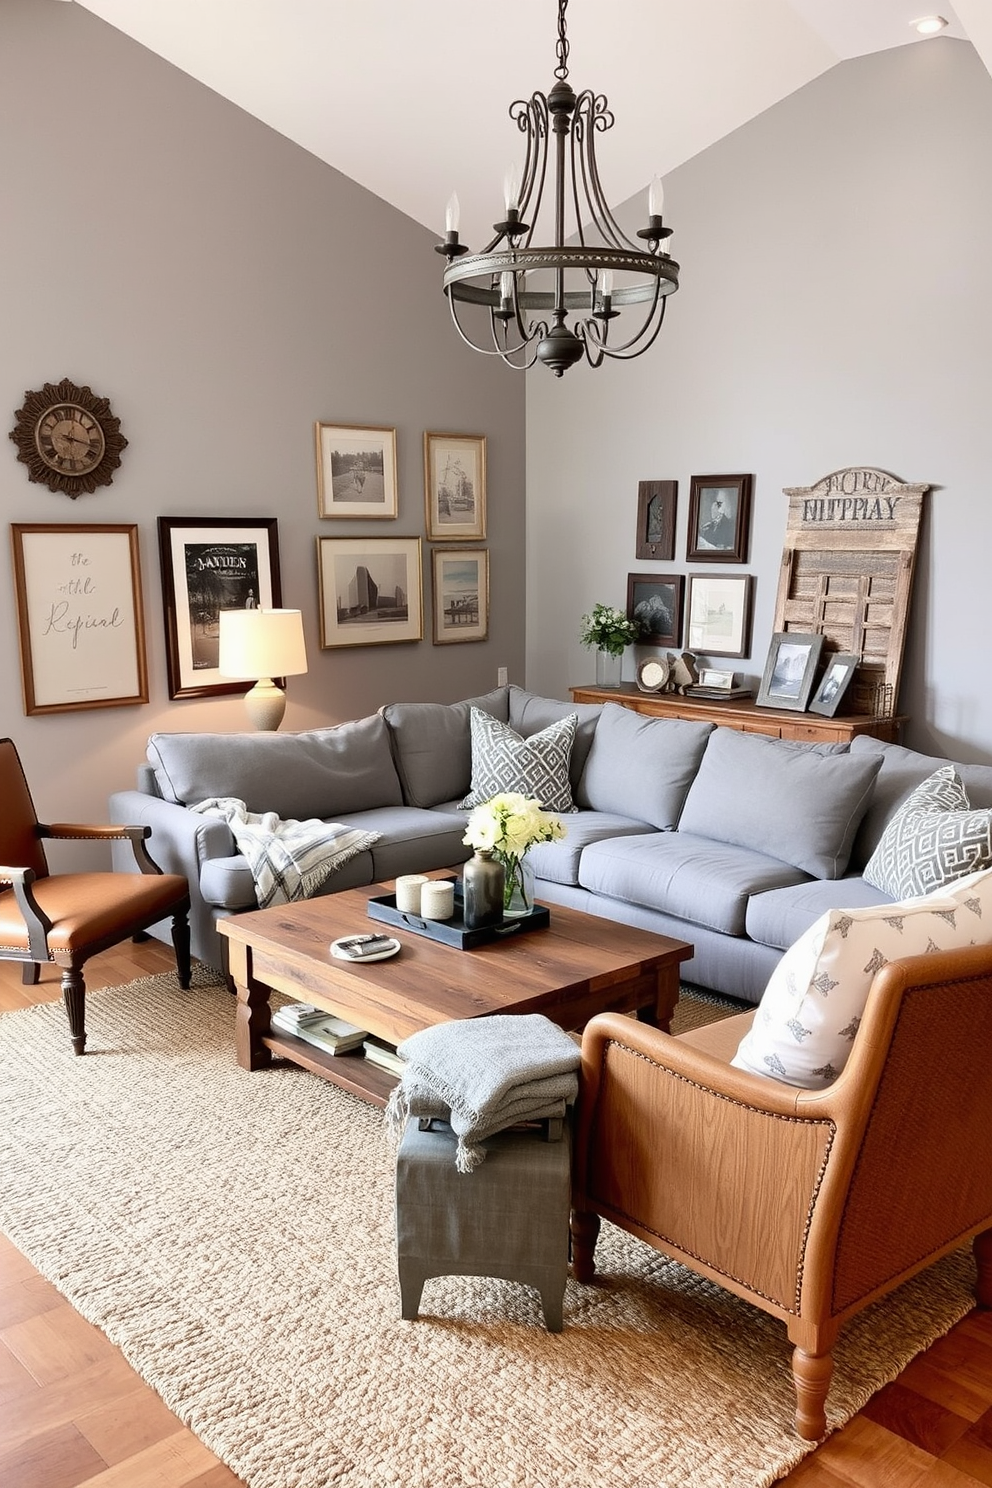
(809, 1204)
(67, 917)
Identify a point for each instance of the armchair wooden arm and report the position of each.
(75, 831)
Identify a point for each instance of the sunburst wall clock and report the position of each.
(68, 438)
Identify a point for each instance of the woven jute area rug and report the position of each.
(232, 1233)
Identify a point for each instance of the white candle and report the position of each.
(408, 888)
(437, 900)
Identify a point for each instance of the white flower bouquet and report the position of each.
(508, 825)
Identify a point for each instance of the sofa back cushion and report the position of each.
(531, 714)
(902, 770)
(432, 745)
(811, 1008)
(319, 773)
(800, 803)
(641, 767)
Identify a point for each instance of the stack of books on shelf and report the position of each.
(314, 1026)
(384, 1055)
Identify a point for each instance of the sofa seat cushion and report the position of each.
(694, 878)
(319, 773)
(933, 839)
(531, 714)
(780, 916)
(811, 1008)
(801, 803)
(902, 770)
(503, 762)
(558, 862)
(432, 745)
(411, 841)
(642, 767)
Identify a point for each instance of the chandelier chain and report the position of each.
(561, 51)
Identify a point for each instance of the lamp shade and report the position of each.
(261, 643)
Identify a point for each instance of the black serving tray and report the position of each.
(454, 932)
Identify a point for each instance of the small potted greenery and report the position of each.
(610, 631)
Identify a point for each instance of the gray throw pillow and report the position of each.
(538, 766)
(933, 839)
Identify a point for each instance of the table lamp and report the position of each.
(262, 644)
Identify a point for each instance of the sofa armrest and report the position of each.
(181, 841)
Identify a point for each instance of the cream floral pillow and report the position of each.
(811, 1008)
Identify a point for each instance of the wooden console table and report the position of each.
(744, 714)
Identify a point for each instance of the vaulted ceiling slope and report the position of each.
(409, 97)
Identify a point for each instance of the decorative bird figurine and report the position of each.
(682, 672)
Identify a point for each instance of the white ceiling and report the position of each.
(410, 97)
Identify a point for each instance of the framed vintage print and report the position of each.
(79, 616)
(789, 671)
(654, 601)
(719, 519)
(720, 614)
(455, 486)
(833, 684)
(211, 564)
(460, 594)
(356, 471)
(370, 590)
(656, 506)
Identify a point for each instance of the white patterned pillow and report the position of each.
(537, 766)
(933, 839)
(811, 1008)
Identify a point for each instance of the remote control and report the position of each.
(358, 946)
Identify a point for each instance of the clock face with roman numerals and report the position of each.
(68, 438)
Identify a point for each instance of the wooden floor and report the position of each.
(72, 1411)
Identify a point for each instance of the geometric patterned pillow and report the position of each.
(933, 839)
(537, 766)
(811, 1008)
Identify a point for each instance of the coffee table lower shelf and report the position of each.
(352, 1071)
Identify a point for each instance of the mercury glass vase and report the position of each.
(608, 668)
(483, 887)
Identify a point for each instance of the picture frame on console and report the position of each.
(790, 669)
(371, 591)
(356, 471)
(655, 602)
(719, 614)
(211, 564)
(657, 502)
(719, 519)
(834, 684)
(460, 595)
(455, 486)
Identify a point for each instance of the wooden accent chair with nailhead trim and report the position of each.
(67, 917)
(809, 1204)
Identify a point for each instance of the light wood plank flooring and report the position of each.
(72, 1410)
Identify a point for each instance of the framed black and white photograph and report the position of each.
(789, 671)
(460, 594)
(719, 519)
(371, 592)
(833, 684)
(656, 507)
(79, 616)
(211, 564)
(455, 486)
(719, 608)
(356, 471)
(654, 601)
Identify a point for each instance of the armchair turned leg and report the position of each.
(180, 941)
(811, 1374)
(74, 995)
(584, 1226)
(982, 1246)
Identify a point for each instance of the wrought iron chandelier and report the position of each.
(529, 292)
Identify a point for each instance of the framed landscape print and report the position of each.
(720, 614)
(655, 601)
(79, 616)
(719, 519)
(370, 590)
(211, 564)
(455, 486)
(833, 684)
(789, 671)
(656, 505)
(460, 594)
(356, 471)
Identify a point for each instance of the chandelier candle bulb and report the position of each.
(452, 213)
(511, 188)
(408, 890)
(656, 197)
(437, 900)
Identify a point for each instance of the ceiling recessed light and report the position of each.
(929, 25)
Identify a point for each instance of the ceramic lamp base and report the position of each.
(265, 704)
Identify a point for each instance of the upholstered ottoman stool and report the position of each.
(508, 1218)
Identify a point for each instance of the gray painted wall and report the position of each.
(225, 290)
(835, 309)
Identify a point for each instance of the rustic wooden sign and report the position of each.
(847, 574)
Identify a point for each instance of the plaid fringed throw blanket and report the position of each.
(288, 859)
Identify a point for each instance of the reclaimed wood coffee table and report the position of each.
(579, 965)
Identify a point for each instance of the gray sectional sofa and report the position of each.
(735, 842)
